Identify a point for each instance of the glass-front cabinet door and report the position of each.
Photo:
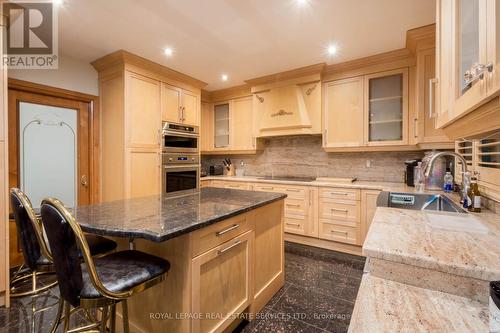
(221, 125)
(470, 56)
(386, 105)
(493, 45)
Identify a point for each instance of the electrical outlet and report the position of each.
(368, 163)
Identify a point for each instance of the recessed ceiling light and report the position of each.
(332, 50)
(57, 2)
(302, 2)
(224, 77)
(168, 51)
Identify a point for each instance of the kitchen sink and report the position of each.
(418, 201)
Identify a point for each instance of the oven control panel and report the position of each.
(180, 159)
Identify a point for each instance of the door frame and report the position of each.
(94, 124)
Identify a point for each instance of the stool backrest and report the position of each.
(29, 229)
(59, 226)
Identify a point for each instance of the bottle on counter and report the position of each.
(448, 182)
(474, 196)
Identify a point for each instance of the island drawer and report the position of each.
(207, 238)
(339, 233)
(339, 193)
(344, 210)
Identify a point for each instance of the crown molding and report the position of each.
(226, 94)
(287, 75)
(122, 57)
(421, 38)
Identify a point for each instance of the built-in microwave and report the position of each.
(178, 138)
(180, 174)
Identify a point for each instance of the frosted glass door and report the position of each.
(468, 38)
(48, 153)
(386, 108)
(221, 126)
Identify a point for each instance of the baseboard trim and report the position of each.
(325, 244)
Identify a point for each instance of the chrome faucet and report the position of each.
(463, 161)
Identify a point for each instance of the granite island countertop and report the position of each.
(159, 218)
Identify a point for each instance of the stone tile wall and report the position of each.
(303, 156)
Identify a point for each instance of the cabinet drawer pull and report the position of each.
(233, 186)
(339, 210)
(267, 188)
(293, 190)
(339, 232)
(229, 247)
(292, 205)
(339, 193)
(231, 228)
(294, 224)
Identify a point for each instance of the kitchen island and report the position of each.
(225, 247)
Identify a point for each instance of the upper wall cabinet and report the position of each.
(343, 117)
(288, 109)
(467, 63)
(179, 105)
(227, 127)
(386, 108)
(369, 110)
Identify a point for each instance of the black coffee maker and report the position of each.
(410, 171)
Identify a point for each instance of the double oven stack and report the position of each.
(180, 159)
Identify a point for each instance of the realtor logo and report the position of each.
(31, 35)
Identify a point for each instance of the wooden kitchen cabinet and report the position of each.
(206, 128)
(222, 283)
(425, 129)
(368, 207)
(467, 59)
(386, 108)
(145, 173)
(243, 137)
(339, 215)
(343, 113)
(269, 260)
(135, 96)
(143, 110)
(229, 127)
(180, 105)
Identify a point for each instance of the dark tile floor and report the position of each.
(318, 296)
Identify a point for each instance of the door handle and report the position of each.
(84, 181)
(431, 96)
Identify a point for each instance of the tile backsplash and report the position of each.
(301, 156)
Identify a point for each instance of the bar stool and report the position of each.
(36, 252)
(97, 282)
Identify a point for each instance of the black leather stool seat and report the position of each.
(99, 245)
(121, 271)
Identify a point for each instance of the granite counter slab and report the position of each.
(364, 185)
(387, 306)
(159, 218)
(405, 236)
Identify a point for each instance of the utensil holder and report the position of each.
(231, 171)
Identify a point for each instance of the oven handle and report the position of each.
(181, 134)
(169, 166)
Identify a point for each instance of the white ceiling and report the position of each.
(243, 38)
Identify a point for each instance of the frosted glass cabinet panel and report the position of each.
(468, 39)
(385, 108)
(48, 153)
(221, 125)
